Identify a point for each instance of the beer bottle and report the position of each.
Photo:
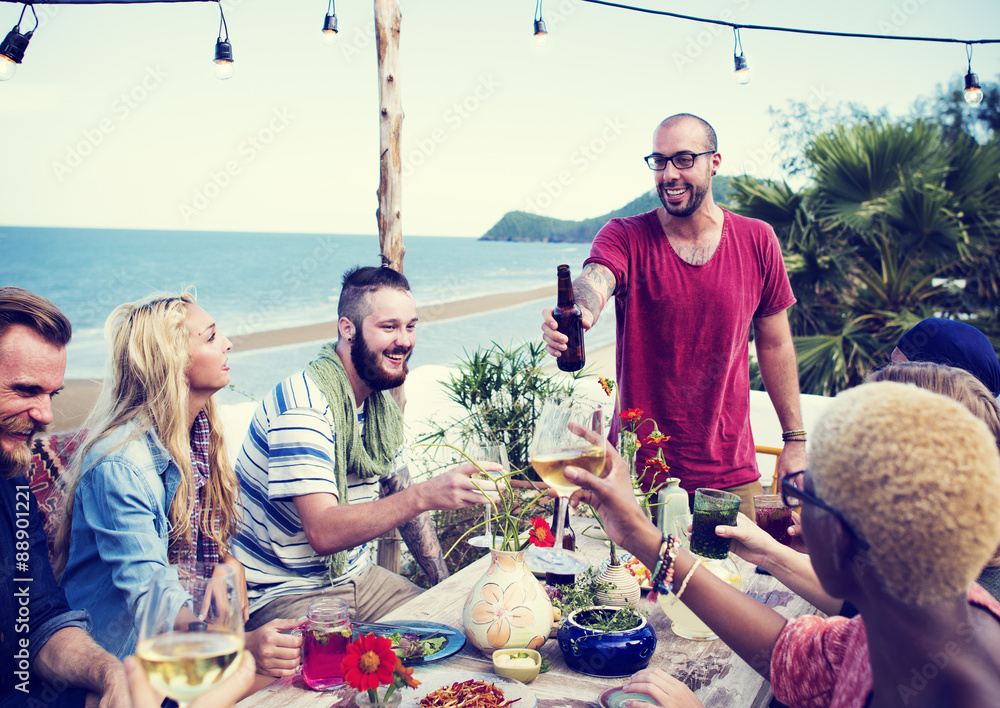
(569, 543)
(569, 321)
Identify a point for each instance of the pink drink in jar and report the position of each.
(327, 632)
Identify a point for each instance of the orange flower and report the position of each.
(370, 661)
(631, 415)
(405, 674)
(607, 384)
(656, 437)
(541, 533)
(657, 464)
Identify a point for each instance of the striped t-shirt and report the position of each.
(289, 452)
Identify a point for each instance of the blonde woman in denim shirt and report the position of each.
(153, 485)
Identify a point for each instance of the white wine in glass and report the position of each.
(555, 446)
(190, 629)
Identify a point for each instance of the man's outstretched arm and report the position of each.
(419, 533)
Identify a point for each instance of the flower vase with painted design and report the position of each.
(507, 607)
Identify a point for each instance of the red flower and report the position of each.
(370, 661)
(607, 384)
(631, 415)
(657, 464)
(541, 533)
(656, 437)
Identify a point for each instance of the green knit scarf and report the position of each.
(368, 455)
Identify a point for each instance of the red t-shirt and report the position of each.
(824, 663)
(683, 341)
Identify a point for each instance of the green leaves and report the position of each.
(893, 211)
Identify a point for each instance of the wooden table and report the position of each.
(718, 676)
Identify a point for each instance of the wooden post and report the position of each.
(390, 192)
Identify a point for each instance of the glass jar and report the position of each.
(326, 634)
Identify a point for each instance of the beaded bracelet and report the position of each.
(793, 436)
(663, 574)
(684, 583)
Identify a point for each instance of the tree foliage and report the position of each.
(899, 221)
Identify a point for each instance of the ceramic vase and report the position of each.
(624, 590)
(598, 653)
(507, 607)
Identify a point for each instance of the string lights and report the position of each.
(223, 50)
(742, 70)
(13, 46)
(973, 92)
(330, 24)
(541, 34)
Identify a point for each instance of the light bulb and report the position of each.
(973, 92)
(541, 34)
(224, 67)
(330, 29)
(742, 70)
(224, 70)
(7, 68)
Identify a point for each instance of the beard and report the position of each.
(694, 202)
(367, 364)
(18, 461)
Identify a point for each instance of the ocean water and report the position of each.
(251, 282)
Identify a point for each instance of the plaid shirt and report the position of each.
(202, 547)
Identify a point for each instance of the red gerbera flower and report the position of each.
(632, 414)
(370, 661)
(541, 533)
(657, 464)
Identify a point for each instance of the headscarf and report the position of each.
(953, 343)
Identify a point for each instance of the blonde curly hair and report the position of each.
(918, 476)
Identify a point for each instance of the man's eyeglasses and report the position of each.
(682, 160)
(793, 495)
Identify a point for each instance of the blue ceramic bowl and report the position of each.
(593, 652)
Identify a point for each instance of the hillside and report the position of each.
(524, 226)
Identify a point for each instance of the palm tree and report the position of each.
(895, 217)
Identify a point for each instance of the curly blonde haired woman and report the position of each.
(152, 484)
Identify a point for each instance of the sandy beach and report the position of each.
(71, 406)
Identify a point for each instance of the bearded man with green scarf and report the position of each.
(322, 473)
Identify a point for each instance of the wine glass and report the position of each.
(190, 629)
(552, 449)
(489, 452)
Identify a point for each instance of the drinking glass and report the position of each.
(552, 449)
(190, 629)
(712, 507)
(327, 632)
(773, 516)
(496, 453)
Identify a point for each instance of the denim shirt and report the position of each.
(32, 606)
(120, 533)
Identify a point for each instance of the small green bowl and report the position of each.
(524, 675)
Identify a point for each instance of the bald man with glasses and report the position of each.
(689, 280)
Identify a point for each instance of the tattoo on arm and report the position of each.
(419, 533)
(593, 288)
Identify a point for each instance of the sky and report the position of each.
(115, 119)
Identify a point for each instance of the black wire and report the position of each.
(331, 9)
(538, 10)
(793, 30)
(222, 22)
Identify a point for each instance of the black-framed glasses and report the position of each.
(682, 160)
(792, 495)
